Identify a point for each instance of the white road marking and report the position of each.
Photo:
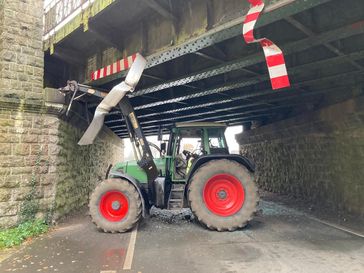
(338, 227)
(108, 271)
(130, 252)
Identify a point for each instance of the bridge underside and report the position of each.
(199, 68)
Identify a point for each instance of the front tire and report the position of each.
(115, 205)
(222, 195)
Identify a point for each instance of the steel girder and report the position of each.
(284, 99)
(218, 118)
(250, 95)
(199, 118)
(231, 121)
(256, 80)
(213, 112)
(326, 37)
(329, 46)
(277, 11)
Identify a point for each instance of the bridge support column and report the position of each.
(43, 173)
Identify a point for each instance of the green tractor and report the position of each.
(194, 170)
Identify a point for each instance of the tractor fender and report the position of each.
(203, 159)
(136, 184)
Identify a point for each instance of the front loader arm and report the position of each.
(117, 97)
(137, 136)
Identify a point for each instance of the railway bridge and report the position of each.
(307, 139)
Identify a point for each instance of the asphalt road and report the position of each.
(279, 239)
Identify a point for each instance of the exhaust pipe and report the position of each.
(113, 98)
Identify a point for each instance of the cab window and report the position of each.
(216, 142)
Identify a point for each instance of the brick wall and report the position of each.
(317, 156)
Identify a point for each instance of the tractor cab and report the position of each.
(189, 141)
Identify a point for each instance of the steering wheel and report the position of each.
(198, 152)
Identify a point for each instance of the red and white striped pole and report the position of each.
(273, 54)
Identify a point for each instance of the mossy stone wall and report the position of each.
(43, 172)
(318, 156)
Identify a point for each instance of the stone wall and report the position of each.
(79, 168)
(43, 172)
(21, 50)
(317, 156)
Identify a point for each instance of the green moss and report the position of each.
(15, 236)
(30, 206)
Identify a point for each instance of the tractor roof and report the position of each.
(200, 124)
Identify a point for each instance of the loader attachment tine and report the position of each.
(112, 99)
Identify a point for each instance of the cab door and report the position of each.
(187, 141)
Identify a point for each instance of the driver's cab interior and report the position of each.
(192, 143)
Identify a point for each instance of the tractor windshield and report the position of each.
(216, 141)
(189, 140)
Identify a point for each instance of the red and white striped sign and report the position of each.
(273, 54)
(116, 67)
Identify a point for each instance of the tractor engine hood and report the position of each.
(132, 169)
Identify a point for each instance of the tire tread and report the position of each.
(134, 213)
(214, 222)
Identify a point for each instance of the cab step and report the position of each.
(176, 196)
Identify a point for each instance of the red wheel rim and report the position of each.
(223, 194)
(113, 206)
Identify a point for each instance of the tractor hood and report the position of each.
(132, 169)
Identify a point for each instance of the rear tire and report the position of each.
(223, 195)
(115, 205)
